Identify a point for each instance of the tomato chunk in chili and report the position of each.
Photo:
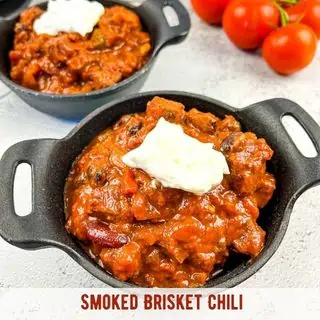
(70, 63)
(162, 237)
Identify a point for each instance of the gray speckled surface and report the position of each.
(206, 63)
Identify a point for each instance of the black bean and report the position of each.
(97, 176)
(100, 178)
(169, 116)
(122, 121)
(228, 143)
(60, 64)
(134, 129)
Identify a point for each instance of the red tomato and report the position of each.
(297, 12)
(210, 11)
(248, 22)
(290, 48)
(312, 16)
(307, 12)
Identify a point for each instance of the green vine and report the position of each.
(283, 13)
(289, 2)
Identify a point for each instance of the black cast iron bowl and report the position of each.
(51, 161)
(78, 105)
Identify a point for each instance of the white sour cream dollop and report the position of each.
(178, 160)
(69, 16)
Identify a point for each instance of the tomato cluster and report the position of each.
(286, 30)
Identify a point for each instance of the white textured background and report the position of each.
(206, 63)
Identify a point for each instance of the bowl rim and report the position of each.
(250, 268)
(38, 152)
(133, 96)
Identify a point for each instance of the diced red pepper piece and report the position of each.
(14, 56)
(129, 186)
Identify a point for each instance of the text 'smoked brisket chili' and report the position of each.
(70, 63)
(161, 237)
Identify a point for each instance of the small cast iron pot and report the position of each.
(78, 105)
(51, 161)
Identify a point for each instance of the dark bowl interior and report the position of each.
(273, 219)
(10, 7)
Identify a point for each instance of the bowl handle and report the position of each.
(166, 33)
(34, 230)
(270, 113)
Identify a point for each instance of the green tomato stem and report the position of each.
(291, 2)
(283, 13)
